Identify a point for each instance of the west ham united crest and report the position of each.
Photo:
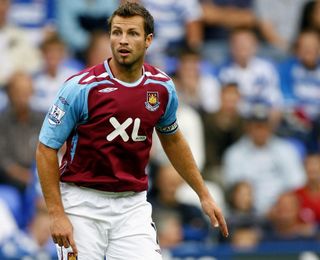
(152, 103)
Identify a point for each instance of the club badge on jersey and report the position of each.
(72, 256)
(152, 103)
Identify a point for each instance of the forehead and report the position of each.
(125, 23)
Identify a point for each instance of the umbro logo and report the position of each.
(107, 90)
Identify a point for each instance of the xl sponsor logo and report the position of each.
(120, 130)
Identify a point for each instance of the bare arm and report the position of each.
(229, 17)
(48, 171)
(181, 158)
(194, 34)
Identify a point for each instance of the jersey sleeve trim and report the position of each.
(170, 129)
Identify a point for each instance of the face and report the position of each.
(20, 90)
(128, 40)
(243, 197)
(308, 49)
(100, 50)
(54, 55)
(286, 209)
(230, 98)
(312, 167)
(243, 47)
(259, 132)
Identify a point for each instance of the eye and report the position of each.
(116, 32)
(134, 33)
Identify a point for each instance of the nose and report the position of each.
(124, 39)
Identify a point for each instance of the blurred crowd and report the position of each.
(247, 74)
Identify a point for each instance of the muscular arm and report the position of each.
(179, 154)
(48, 171)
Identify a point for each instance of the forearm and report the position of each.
(180, 156)
(194, 34)
(228, 17)
(48, 171)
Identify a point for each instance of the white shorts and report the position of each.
(117, 226)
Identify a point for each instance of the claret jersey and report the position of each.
(108, 125)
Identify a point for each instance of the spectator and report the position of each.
(300, 80)
(196, 86)
(300, 75)
(35, 242)
(18, 130)
(191, 126)
(309, 194)
(169, 229)
(54, 73)
(16, 53)
(242, 217)
(77, 19)
(284, 221)
(270, 164)
(219, 18)
(222, 128)
(98, 50)
(167, 181)
(256, 77)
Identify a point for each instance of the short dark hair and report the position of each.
(129, 9)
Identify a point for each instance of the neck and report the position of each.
(52, 71)
(313, 186)
(130, 73)
(22, 115)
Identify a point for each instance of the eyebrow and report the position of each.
(118, 27)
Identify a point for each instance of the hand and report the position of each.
(62, 231)
(216, 217)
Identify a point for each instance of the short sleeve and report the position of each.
(168, 122)
(68, 110)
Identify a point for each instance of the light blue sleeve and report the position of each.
(168, 122)
(69, 109)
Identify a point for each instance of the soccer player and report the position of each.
(106, 114)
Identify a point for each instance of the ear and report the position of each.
(149, 39)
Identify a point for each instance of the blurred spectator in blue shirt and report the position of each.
(54, 73)
(16, 52)
(300, 84)
(256, 77)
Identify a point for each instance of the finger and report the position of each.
(66, 243)
(72, 244)
(213, 220)
(222, 224)
(54, 239)
(59, 241)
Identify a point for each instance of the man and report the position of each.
(107, 114)
(269, 163)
